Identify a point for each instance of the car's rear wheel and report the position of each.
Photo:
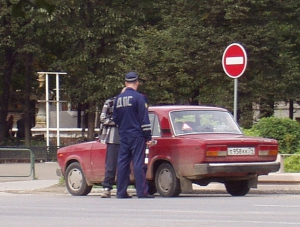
(166, 181)
(75, 180)
(237, 188)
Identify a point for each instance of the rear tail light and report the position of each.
(267, 150)
(216, 151)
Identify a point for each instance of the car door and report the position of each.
(162, 148)
(98, 155)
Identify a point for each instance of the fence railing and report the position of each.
(40, 153)
(24, 152)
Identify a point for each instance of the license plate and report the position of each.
(241, 151)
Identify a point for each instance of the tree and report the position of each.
(176, 46)
(7, 63)
(181, 55)
(21, 44)
(21, 7)
(98, 34)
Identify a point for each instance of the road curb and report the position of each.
(291, 178)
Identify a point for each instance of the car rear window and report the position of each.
(203, 121)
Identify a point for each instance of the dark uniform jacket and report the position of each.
(131, 115)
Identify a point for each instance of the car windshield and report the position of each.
(203, 121)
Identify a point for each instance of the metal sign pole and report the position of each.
(47, 111)
(235, 98)
(57, 111)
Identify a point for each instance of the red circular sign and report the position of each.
(234, 60)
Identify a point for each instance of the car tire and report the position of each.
(75, 180)
(166, 181)
(237, 188)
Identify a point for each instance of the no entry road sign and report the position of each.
(234, 60)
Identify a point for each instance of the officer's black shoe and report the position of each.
(124, 197)
(147, 197)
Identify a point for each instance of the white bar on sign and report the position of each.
(234, 60)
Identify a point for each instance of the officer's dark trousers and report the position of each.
(110, 165)
(132, 149)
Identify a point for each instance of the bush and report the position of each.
(250, 132)
(285, 130)
(292, 164)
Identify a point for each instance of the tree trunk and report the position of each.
(91, 120)
(6, 84)
(291, 109)
(79, 116)
(266, 108)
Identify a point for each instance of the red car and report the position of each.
(194, 144)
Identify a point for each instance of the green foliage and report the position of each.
(100, 34)
(21, 7)
(62, 181)
(292, 163)
(285, 130)
(176, 45)
(251, 132)
(179, 54)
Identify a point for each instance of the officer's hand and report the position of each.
(151, 143)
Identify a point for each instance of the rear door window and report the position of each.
(155, 126)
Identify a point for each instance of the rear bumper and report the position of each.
(248, 167)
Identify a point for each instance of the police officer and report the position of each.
(131, 116)
(110, 136)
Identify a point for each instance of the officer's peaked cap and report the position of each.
(131, 77)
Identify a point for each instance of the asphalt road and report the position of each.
(43, 202)
(211, 210)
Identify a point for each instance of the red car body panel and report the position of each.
(90, 155)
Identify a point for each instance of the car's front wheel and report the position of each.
(75, 180)
(237, 188)
(166, 181)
